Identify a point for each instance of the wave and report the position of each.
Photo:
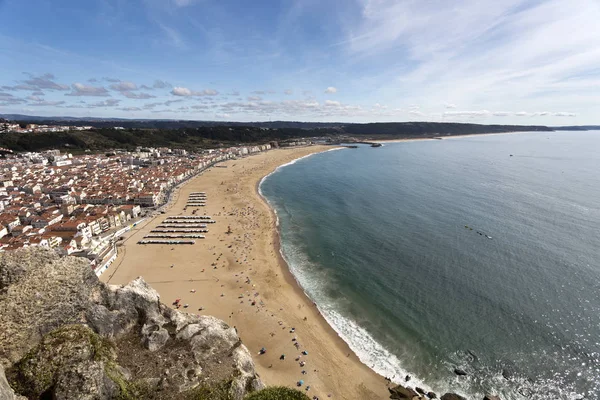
(483, 376)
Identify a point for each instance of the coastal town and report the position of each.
(81, 205)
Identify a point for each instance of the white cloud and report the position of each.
(105, 103)
(331, 103)
(130, 109)
(450, 105)
(124, 86)
(489, 54)
(480, 113)
(158, 84)
(141, 96)
(79, 89)
(182, 91)
(564, 114)
(254, 98)
(46, 81)
(47, 103)
(149, 106)
(288, 92)
(331, 90)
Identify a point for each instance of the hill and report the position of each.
(207, 134)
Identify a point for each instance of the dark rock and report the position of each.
(460, 372)
(400, 392)
(490, 397)
(452, 396)
(419, 390)
(432, 395)
(507, 373)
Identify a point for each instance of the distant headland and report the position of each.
(34, 133)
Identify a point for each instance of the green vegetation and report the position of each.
(35, 373)
(198, 134)
(277, 393)
(108, 138)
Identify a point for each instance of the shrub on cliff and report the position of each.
(277, 393)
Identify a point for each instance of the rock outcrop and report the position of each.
(6, 392)
(400, 392)
(67, 335)
(452, 396)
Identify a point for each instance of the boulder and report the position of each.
(508, 373)
(432, 395)
(460, 372)
(452, 396)
(419, 390)
(401, 392)
(71, 362)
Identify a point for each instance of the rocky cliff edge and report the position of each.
(67, 335)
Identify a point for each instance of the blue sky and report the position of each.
(501, 61)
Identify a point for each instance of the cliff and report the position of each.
(67, 335)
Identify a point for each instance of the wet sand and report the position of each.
(265, 310)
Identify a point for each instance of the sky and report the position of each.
(483, 61)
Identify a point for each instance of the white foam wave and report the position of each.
(368, 350)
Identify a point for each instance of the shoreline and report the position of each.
(397, 378)
(383, 141)
(332, 367)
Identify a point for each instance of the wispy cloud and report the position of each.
(140, 96)
(47, 103)
(331, 90)
(46, 81)
(185, 92)
(105, 103)
(489, 53)
(124, 86)
(173, 36)
(158, 84)
(79, 89)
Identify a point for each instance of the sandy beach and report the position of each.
(241, 278)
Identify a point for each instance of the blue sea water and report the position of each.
(426, 256)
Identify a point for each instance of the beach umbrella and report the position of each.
(300, 382)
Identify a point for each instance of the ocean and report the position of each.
(480, 253)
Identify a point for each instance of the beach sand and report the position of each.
(217, 269)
